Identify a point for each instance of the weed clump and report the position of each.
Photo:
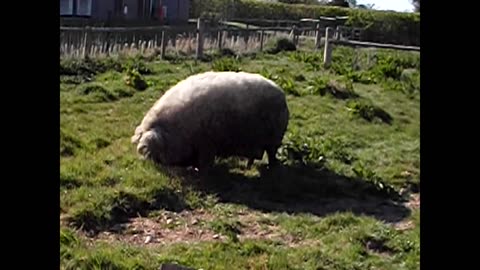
(231, 229)
(138, 65)
(313, 60)
(409, 83)
(285, 81)
(226, 64)
(288, 85)
(134, 79)
(368, 111)
(300, 151)
(338, 89)
(378, 186)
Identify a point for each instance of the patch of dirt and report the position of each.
(190, 227)
(193, 226)
(404, 225)
(257, 226)
(414, 202)
(168, 227)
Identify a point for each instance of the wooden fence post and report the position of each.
(318, 37)
(296, 35)
(200, 26)
(246, 37)
(164, 45)
(174, 40)
(337, 33)
(327, 55)
(262, 36)
(107, 45)
(292, 33)
(220, 39)
(86, 44)
(142, 46)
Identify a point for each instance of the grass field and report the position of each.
(346, 197)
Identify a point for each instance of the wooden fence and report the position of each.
(200, 38)
(332, 38)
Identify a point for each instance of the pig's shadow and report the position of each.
(299, 190)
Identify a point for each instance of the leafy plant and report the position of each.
(366, 174)
(313, 60)
(226, 64)
(137, 65)
(268, 74)
(288, 85)
(319, 85)
(368, 111)
(338, 89)
(228, 228)
(134, 79)
(408, 84)
(301, 151)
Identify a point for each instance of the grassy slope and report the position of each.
(337, 217)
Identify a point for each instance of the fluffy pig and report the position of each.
(214, 114)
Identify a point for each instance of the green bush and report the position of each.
(281, 11)
(387, 27)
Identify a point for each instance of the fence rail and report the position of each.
(376, 45)
(191, 39)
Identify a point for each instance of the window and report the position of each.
(66, 7)
(84, 7)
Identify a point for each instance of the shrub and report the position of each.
(280, 45)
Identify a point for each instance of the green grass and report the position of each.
(331, 202)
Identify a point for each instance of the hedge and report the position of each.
(380, 26)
